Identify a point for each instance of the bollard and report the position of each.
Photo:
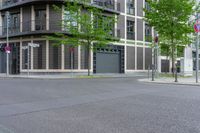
(176, 73)
(153, 72)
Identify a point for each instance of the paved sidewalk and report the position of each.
(74, 75)
(181, 81)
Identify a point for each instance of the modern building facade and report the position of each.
(31, 20)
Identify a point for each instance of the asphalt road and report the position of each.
(118, 105)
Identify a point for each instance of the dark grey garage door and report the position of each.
(108, 62)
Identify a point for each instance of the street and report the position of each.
(102, 105)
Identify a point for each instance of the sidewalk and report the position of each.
(72, 76)
(170, 80)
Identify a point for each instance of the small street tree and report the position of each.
(170, 19)
(85, 25)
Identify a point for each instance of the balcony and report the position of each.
(108, 5)
(5, 4)
(39, 27)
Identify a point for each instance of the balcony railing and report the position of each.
(39, 27)
(9, 2)
(109, 4)
(131, 35)
(29, 27)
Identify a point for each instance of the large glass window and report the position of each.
(130, 29)
(14, 23)
(130, 7)
(147, 5)
(70, 21)
(40, 19)
(54, 56)
(39, 55)
(148, 34)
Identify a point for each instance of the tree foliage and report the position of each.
(170, 19)
(85, 25)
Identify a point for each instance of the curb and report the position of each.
(169, 83)
(60, 78)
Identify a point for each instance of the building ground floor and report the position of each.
(116, 58)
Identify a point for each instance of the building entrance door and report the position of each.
(15, 58)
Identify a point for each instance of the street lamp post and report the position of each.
(197, 29)
(7, 42)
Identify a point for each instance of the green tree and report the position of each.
(86, 26)
(170, 19)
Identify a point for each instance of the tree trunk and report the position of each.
(166, 69)
(89, 56)
(173, 59)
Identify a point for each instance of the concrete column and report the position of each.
(125, 29)
(144, 38)
(143, 57)
(63, 16)
(115, 18)
(1, 24)
(21, 54)
(47, 17)
(21, 19)
(62, 57)
(79, 57)
(32, 18)
(31, 54)
(91, 59)
(47, 54)
(135, 34)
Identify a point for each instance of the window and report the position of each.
(130, 29)
(14, 23)
(70, 21)
(40, 19)
(148, 34)
(147, 5)
(130, 7)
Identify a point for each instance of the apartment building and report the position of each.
(30, 20)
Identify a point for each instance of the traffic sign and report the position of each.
(197, 27)
(33, 45)
(156, 39)
(71, 49)
(25, 47)
(7, 49)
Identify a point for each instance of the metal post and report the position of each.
(153, 68)
(176, 74)
(197, 53)
(197, 59)
(7, 44)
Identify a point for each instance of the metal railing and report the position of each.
(109, 4)
(5, 3)
(38, 25)
(131, 35)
